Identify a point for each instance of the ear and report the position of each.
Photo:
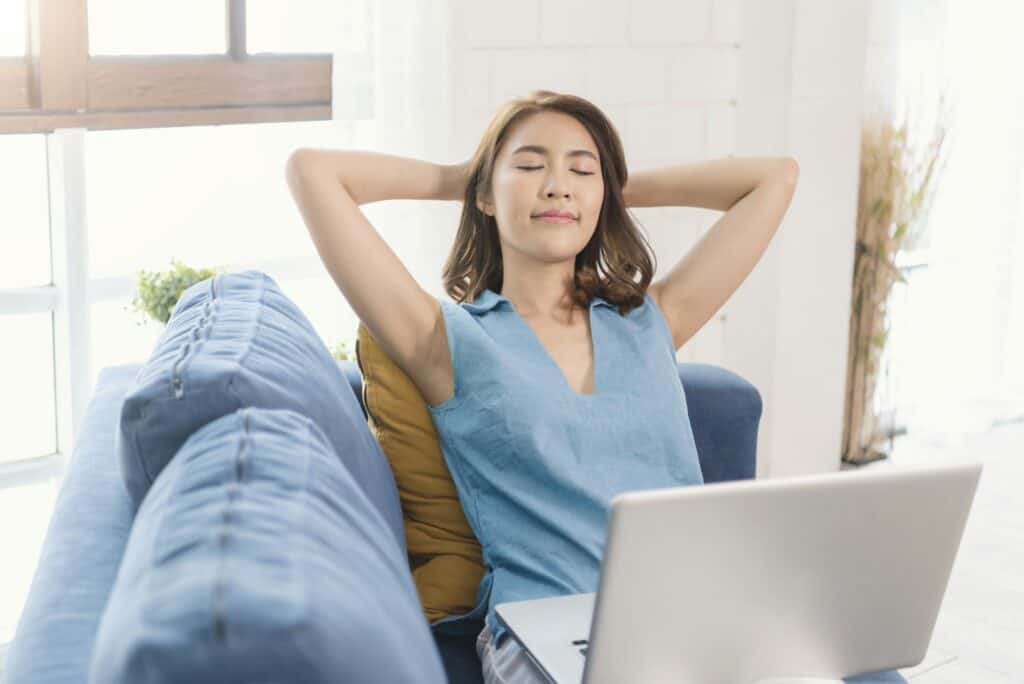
(485, 206)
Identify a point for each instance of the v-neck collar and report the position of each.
(488, 300)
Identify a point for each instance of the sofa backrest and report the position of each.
(725, 412)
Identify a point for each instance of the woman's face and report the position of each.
(549, 161)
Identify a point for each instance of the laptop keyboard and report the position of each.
(579, 642)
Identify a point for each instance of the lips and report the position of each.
(556, 214)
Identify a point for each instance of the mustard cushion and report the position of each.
(444, 553)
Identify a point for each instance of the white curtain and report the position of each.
(397, 78)
(961, 364)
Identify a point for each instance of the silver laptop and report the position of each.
(825, 576)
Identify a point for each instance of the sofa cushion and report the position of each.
(256, 556)
(444, 554)
(235, 340)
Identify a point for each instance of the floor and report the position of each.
(979, 636)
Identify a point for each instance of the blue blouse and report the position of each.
(535, 463)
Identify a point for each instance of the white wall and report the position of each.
(801, 85)
(682, 81)
(664, 72)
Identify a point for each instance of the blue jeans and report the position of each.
(508, 664)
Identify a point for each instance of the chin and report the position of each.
(556, 254)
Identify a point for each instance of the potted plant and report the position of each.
(342, 351)
(158, 292)
(898, 177)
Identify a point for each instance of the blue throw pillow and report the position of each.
(256, 557)
(235, 340)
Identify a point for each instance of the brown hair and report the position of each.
(474, 262)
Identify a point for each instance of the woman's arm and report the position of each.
(375, 176)
(755, 194)
(328, 186)
(712, 184)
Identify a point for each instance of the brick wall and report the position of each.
(682, 81)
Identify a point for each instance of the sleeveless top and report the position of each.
(535, 464)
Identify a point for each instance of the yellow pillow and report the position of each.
(444, 554)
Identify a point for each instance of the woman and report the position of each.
(552, 382)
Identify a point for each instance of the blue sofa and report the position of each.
(94, 514)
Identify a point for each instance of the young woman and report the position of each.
(552, 381)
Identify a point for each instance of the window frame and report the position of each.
(59, 90)
(69, 296)
(59, 85)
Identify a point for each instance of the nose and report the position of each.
(556, 186)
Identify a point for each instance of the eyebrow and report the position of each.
(543, 150)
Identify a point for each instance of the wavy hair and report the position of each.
(609, 263)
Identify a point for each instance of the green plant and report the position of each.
(343, 352)
(158, 291)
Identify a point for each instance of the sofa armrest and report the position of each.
(355, 380)
(81, 553)
(725, 411)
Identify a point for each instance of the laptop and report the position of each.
(815, 576)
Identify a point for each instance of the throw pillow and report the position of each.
(444, 553)
(232, 341)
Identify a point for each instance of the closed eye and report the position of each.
(534, 168)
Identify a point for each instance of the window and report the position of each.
(201, 194)
(184, 27)
(119, 334)
(24, 226)
(230, 208)
(323, 304)
(155, 175)
(116, 64)
(311, 26)
(27, 402)
(31, 505)
(12, 29)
